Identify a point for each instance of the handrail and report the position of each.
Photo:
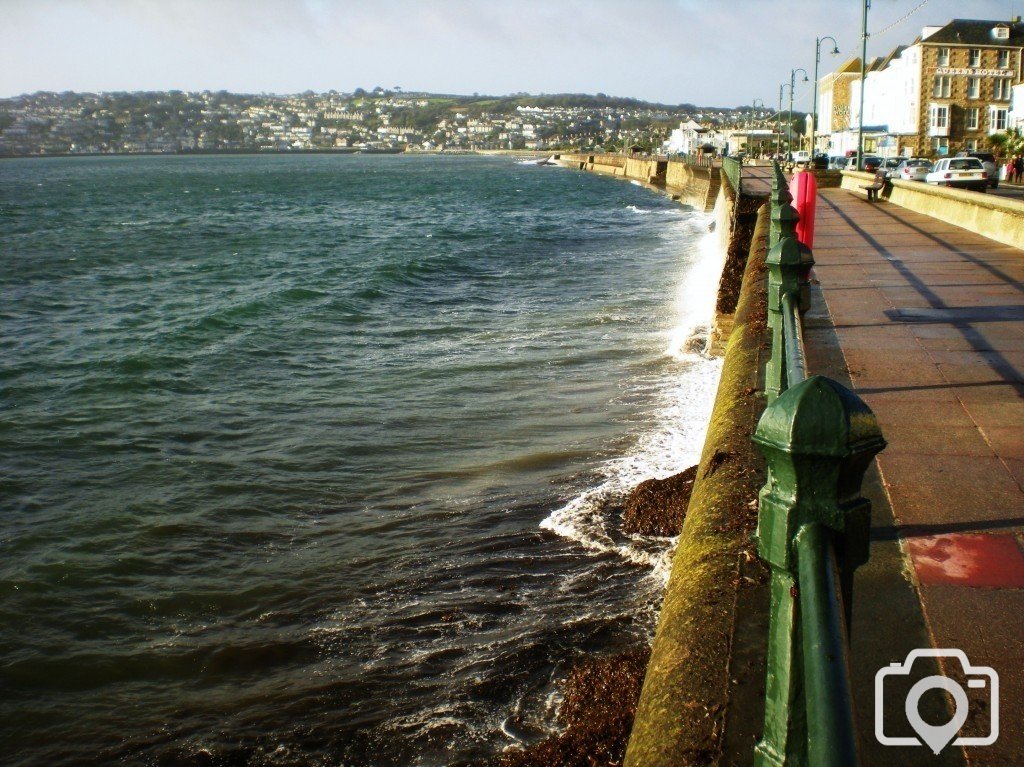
(733, 171)
(796, 356)
(818, 439)
(830, 736)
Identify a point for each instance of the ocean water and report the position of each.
(319, 460)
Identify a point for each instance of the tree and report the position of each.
(1014, 142)
(998, 142)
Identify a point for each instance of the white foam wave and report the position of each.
(635, 209)
(695, 298)
(682, 406)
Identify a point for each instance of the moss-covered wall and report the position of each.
(684, 707)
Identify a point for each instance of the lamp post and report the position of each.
(863, 72)
(778, 116)
(817, 61)
(792, 85)
(750, 123)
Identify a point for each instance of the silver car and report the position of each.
(912, 169)
(889, 165)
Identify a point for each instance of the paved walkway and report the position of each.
(929, 320)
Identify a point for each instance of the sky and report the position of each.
(706, 52)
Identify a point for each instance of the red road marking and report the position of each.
(980, 561)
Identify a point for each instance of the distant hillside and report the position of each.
(47, 123)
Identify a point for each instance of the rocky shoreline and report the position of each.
(600, 694)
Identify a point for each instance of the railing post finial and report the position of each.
(782, 214)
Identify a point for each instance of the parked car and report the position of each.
(991, 166)
(798, 157)
(870, 164)
(889, 165)
(913, 169)
(837, 162)
(962, 172)
(820, 162)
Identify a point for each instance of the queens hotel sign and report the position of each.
(975, 72)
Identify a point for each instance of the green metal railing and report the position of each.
(733, 170)
(818, 439)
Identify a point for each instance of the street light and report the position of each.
(778, 116)
(750, 122)
(792, 84)
(817, 60)
(863, 72)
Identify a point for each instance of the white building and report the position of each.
(1017, 107)
(686, 139)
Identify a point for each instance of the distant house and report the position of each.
(685, 139)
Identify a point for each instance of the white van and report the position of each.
(799, 157)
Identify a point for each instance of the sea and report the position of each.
(320, 460)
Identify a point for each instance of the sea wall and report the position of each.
(697, 187)
(997, 218)
(716, 597)
(735, 218)
(703, 688)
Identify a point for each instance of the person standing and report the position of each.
(1018, 169)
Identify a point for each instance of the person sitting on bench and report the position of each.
(874, 188)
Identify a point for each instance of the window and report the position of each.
(974, 87)
(1002, 89)
(938, 120)
(1001, 32)
(971, 122)
(974, 57)
(943, 57)
(996, 119)
(1004, 60)
(971, 145)
(940, 145)
(941, 87)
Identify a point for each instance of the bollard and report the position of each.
(818, 439)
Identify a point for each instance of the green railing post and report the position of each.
(818, 439)
(783, 215)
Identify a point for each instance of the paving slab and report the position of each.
(929, 319)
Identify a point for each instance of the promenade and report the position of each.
(925, 322)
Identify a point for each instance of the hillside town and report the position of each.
(376, 121)
(956, 87)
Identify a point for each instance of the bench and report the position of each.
(876, 186)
